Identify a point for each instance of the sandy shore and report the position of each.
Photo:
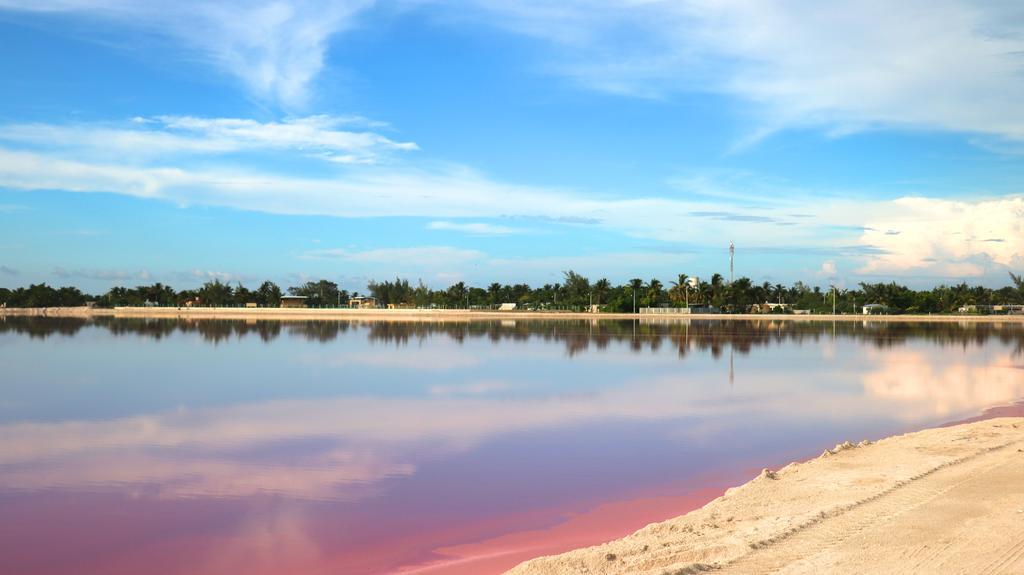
(946, 500)
(460, 315)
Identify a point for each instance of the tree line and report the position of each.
(577, 334)
(574, 292)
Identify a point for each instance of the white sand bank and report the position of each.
(946, 500)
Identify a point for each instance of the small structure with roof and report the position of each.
(770, 307)
(873, 309)
(293, 301)
(362, 302)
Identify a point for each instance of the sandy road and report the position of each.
(966, 517)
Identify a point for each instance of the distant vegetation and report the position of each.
(573, 293)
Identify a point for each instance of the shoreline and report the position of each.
(947, 498)
(465, 315)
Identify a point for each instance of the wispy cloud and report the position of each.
(8, 271)
(118, 275)
(146, 138)
(734, 217)
(850, 227)
(475, 228)
(420, 256)
(571, 220)
(101, 274)
(918, 63)
(275, 48)
(210, 275)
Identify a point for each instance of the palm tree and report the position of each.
(494, 293)
(716, 289)
(1018, 282)
(601, 289)
(457, 295)
(678, 293)
(636, 284)
(654, 289)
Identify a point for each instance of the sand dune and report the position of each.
(947, 500)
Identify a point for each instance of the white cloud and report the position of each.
(933, 64)
(476, 228)
(275, 48)
(945, 237)
(845, 66)
(949, 239)
(155, 138)
(828, 269)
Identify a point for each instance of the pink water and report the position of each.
(131, 446)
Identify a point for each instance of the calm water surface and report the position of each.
(214, 447)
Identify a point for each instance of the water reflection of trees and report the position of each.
(703, 336)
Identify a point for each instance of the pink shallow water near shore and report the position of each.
(214, 447)
(604, 523)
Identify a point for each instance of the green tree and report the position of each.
(636, 286)
(679, 292)
(655, 292)
(268, 294)
(602, 288)
(396, 292)
(576, 289)
(494, 294)
(457, 296)
(215, 293)
(321, 293)
(1018, 282)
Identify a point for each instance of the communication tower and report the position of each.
(732, 253)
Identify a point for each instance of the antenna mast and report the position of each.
(732, 253)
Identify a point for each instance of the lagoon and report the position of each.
(218, 446)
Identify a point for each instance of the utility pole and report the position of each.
(634, 300)
(833, 300)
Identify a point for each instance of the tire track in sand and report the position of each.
(828, 540)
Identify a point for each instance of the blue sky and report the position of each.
(483, 140)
